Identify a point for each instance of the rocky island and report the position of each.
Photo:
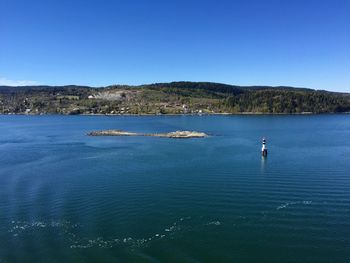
(175, 135)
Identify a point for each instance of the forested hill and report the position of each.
(169, 98)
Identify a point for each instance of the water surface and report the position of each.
(67, 197)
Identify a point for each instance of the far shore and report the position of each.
(177, 114)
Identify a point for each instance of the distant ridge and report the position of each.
(182, 97)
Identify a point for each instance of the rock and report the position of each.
(175, 135)
(113, 133)
(182, 134)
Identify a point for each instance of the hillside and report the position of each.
(169, 98)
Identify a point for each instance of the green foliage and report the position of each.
(170, 98)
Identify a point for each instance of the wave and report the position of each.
(288, 204)
(77, 242)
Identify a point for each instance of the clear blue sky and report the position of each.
(263, 42)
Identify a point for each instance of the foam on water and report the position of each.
(19, 227)
(101, 242)
(77, 242)
(288, 204)
(216, 223)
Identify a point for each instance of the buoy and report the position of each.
(264, 148)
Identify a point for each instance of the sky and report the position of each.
(302, 43)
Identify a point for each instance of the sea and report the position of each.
(69, 197)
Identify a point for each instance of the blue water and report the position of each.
(68, 197)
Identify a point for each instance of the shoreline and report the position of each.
(180, 114)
